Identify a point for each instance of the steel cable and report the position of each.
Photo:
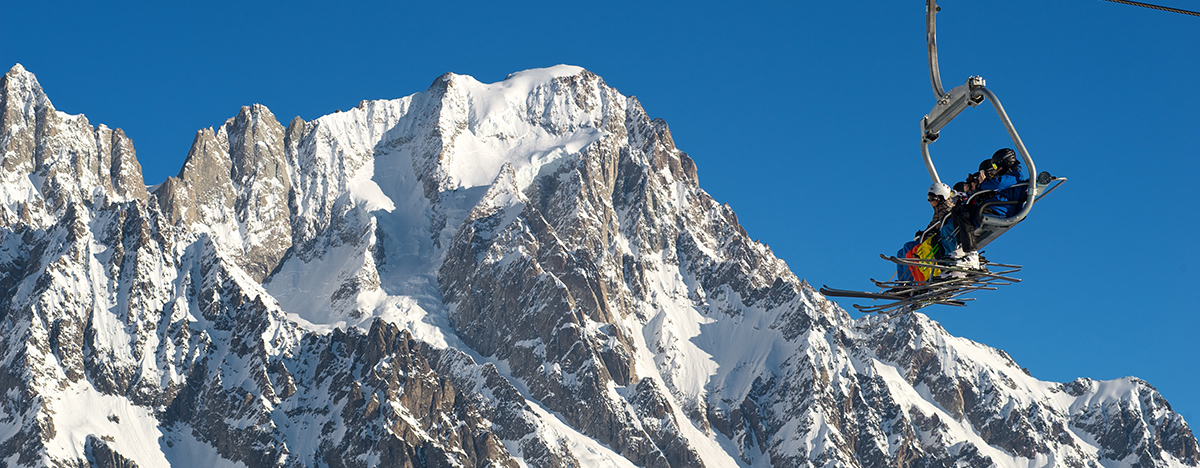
(1156, 7)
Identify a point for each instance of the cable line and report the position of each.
(1156, 7)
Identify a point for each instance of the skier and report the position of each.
(927, 243)
(998, 177)
(960, 192)
(941, 198)
(963, 215)
(1008, 174)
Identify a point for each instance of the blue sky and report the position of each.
(803, 117)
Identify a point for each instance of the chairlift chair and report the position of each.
(902, 297)
(948, 105)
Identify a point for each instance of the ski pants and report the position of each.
(965, 222)
(904, 273)
(949, 239)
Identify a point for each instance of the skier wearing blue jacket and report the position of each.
(1008, 173)
(1001, 174)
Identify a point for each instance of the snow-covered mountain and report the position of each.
(522, 273)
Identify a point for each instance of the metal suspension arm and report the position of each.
(1031, 192)
(946, 109)
(935, 76)
(971, 94)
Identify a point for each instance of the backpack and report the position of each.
(926, 250)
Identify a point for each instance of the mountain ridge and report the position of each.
(537, 251)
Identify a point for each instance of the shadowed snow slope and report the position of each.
(522, 273)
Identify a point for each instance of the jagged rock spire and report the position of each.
(51, 159)
(235, 185)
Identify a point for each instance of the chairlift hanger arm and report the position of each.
(931, 10)
(949, 105)
(947, 113)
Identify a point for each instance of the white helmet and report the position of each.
(941, 190)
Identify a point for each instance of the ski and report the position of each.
(907, 285)
(932, 296)
(904, 297)
(913, 304)
(949, 267)
(826, 290)
(929, 293)
(937, 264)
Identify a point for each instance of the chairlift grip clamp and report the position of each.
(975, 83)
(969, 94)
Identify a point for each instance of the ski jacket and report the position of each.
(1003, 185)
(1015, 193)
(939, 213)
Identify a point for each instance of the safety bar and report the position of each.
(979, 211)
(944, 117)
(1044, 179)
(933, 228)
(977, 194)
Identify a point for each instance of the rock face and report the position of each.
(235, 182)
(523, 273)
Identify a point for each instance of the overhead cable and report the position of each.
(1156, 7)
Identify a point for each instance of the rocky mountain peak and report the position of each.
(52, 159)
(22, 95)
(235, 185)
(256, 146)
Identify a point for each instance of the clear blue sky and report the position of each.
(803, 117)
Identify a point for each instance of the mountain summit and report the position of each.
(521, 273)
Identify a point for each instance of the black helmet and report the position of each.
(1005, 158)
(987, 165)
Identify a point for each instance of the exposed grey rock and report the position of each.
(23, 100)
(236, 179)
(100, 455)
(52, 160)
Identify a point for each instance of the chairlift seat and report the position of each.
(992, 226)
